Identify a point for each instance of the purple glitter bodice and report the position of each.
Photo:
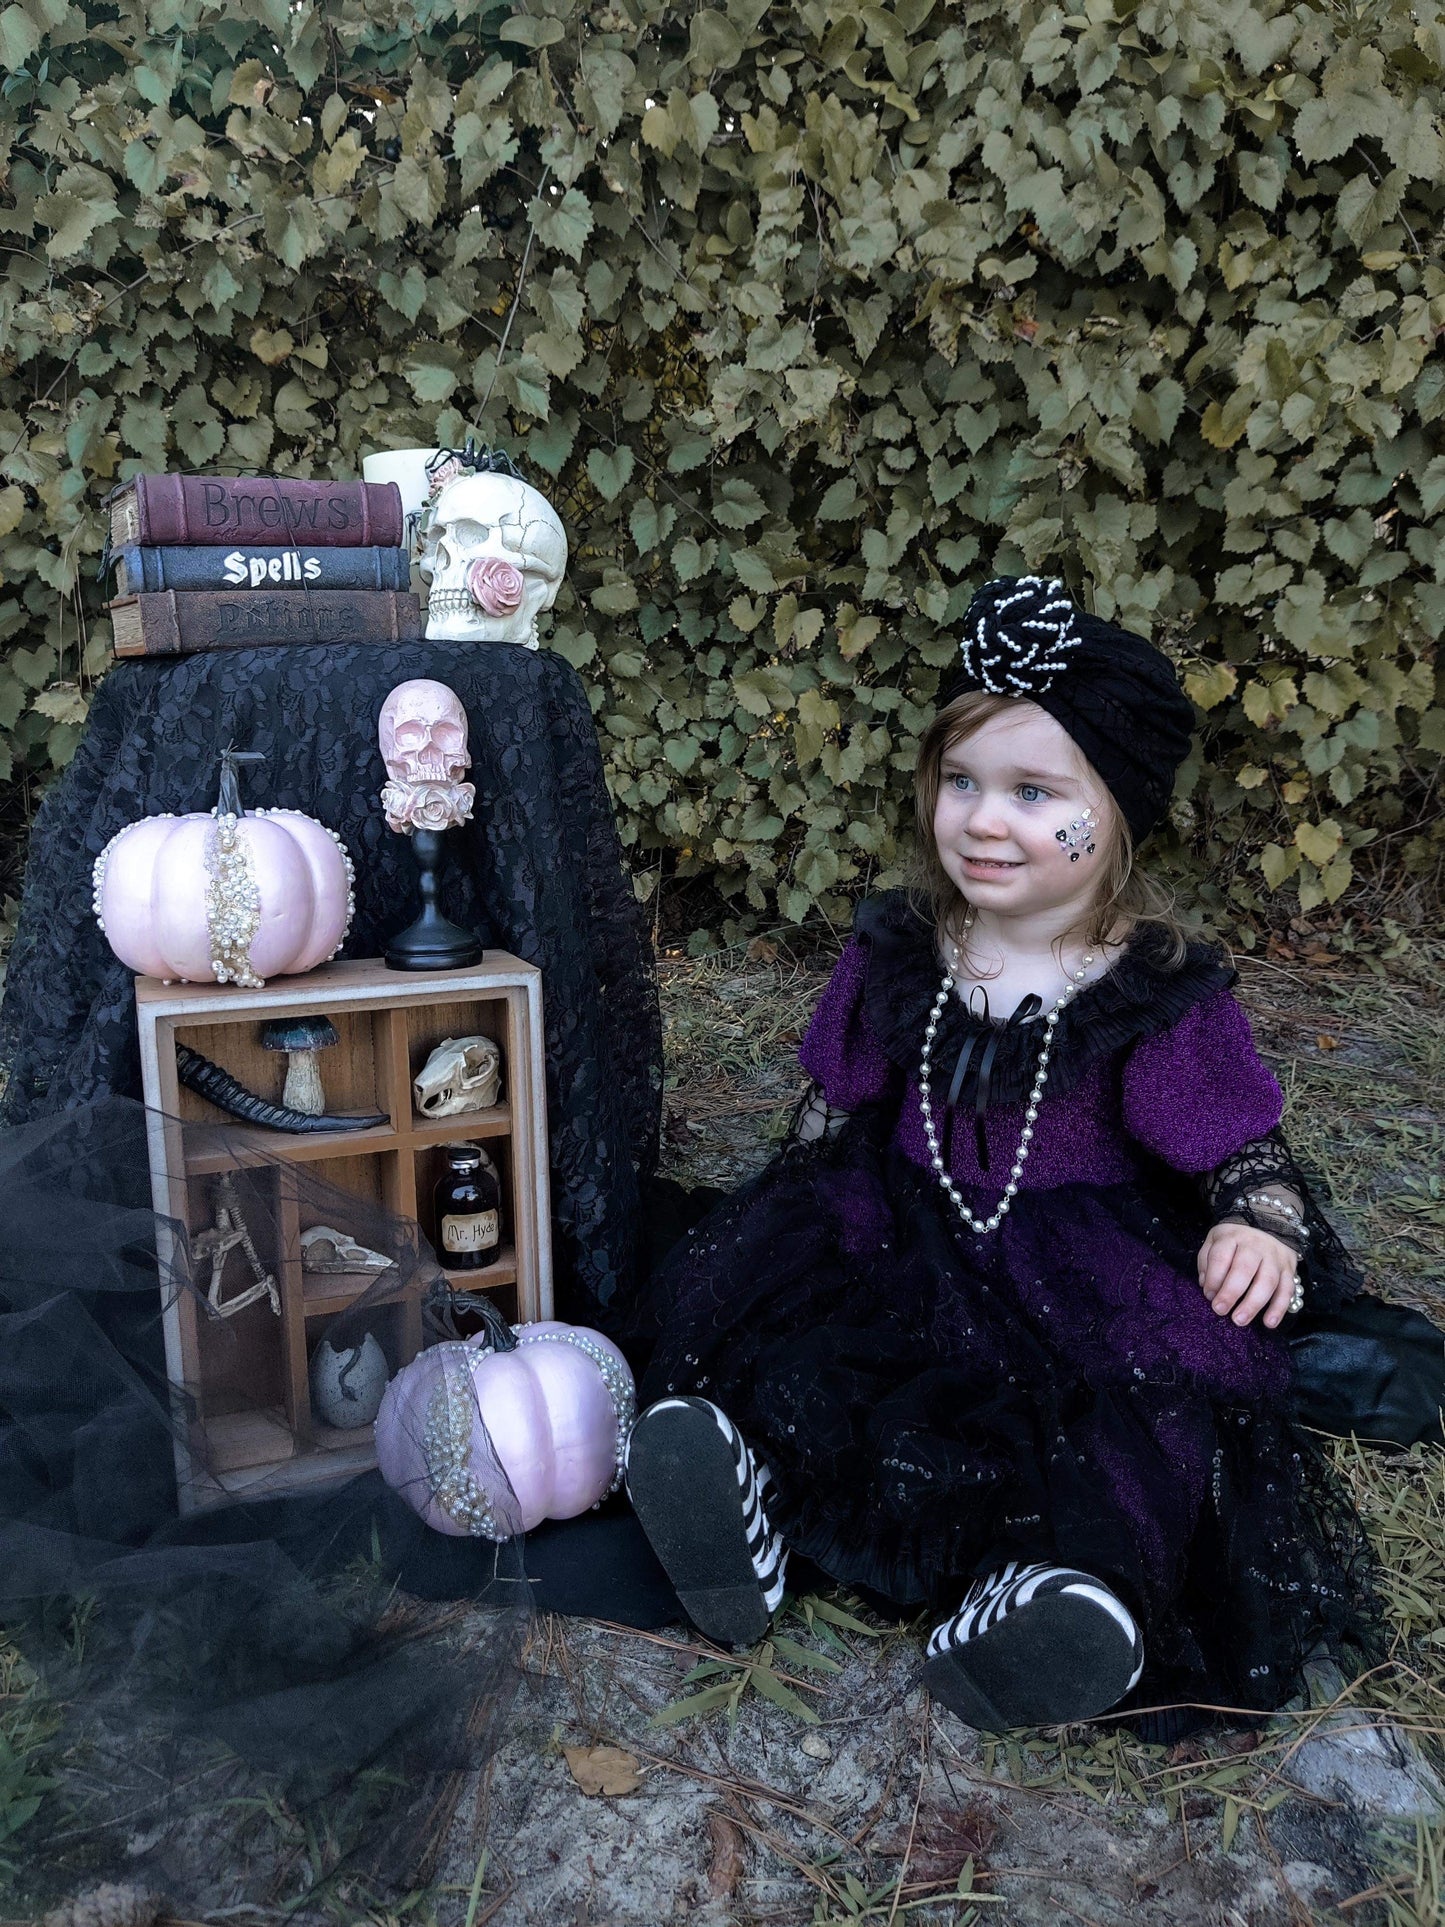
(1191, 1094)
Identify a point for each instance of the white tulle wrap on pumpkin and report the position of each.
(487, 1443)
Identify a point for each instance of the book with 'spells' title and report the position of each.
(259, 511)
(138, 570)
(167, 624)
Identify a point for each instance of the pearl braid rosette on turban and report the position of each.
(1116, 694)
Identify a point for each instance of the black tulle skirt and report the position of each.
(931, 1401)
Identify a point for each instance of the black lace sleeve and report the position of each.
(1261, 1185)
(815, 1117)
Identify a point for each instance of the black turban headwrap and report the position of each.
(1116, 694)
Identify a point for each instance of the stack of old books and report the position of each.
(214, 562)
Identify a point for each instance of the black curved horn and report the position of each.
(218, 1087)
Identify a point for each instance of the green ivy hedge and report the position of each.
(811, 316)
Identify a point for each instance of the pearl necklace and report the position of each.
(1031, 1110)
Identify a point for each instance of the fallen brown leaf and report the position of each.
(763, 950)
(1324, 1041)
(603, 1769)
(725, 1863)
(943, 1843)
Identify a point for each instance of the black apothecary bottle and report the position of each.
(468, 1210)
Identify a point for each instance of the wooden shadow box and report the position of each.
(246, 1424)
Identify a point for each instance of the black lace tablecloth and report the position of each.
(537, 872)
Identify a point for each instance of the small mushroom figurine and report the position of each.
(301, 1038)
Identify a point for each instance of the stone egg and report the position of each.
(347, 1384)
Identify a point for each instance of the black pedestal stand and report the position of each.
(433, 942)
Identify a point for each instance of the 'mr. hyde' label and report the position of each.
(477, 1231)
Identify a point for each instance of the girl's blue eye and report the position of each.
(959, 780)
(1031, 793)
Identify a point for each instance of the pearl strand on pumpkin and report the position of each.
(1031, 1110)
(233, 903)
(447, 1437)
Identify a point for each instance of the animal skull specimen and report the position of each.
(462, 1074)
(494, 553)
(423, 733)
(325, 1249)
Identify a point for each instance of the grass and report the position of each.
(28, 1725)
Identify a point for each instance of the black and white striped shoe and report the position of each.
(698, 1492)
(1034, 1646)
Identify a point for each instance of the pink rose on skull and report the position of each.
(495, 585)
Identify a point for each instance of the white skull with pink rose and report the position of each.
(423, 733)
(494, 553)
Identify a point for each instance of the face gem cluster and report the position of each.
(1078, 836)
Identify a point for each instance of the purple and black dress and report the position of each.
(932, 1400)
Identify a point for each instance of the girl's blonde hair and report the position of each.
(1125, 898)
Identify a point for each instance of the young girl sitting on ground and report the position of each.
(999, 1330)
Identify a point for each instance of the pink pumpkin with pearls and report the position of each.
(488, 1443)
(224, 897)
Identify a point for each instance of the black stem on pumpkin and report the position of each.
(228, 798)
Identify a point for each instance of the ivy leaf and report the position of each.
(736, 503)
(564, 223)
(19, 38)
(607, 73)
(1318, 841)
(431, 376)
(1212, 686)
(333, 117)
(616, 595)
(72, 220)
(610, 470)
(714, 42)
(271, 346)
(687, 560)
(529, 30)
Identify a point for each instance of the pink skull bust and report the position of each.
(423, 732)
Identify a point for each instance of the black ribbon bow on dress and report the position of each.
(1029, 1008)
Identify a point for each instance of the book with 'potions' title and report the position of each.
(167, 624)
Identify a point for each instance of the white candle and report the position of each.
(407, 468)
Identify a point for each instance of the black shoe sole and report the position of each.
(1055, 1659)
(684, 1490)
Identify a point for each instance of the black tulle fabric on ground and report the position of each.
(925, 1414)
(538, 872)
(279, 1642)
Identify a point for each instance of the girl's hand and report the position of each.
(1247, 1272)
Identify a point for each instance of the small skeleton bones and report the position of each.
(462, 1074)
(219, 1242)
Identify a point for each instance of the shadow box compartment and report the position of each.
(244, 1380)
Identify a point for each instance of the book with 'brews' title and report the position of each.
(167, 624)
(138, 570)
(264, 511)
